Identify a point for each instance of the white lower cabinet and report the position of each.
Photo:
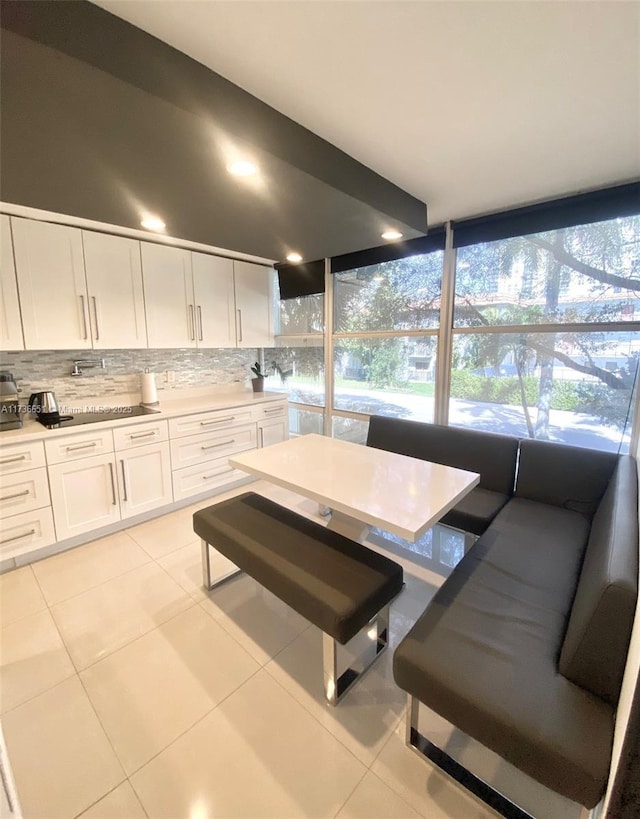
(272, 432)
(84, 495)
(26, 533)
(193, 480)
(144, 479)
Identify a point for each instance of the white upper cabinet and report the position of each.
(215, 300)
(168, 295)
(253, 292)
(51, 284)
(114, 286)
(10, 322)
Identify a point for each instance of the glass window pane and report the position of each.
(400, 295)
(304, 422)
(349, 429)
(302, 315)
(574, 388)
(297, 370)
(587, 273)
(389, 376)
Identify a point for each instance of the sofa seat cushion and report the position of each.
(337, 584)
(484, 655)
(475, 511)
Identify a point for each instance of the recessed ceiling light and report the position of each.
(153, 223)
(242, 168)
(390, 235)
(294, 258)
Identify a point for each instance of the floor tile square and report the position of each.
(259, 621)
(32, 659)
(165, 534)
(20, 595)
(258, 754)
(185, 567)
(72, 572)
(152, 690)
(372, 799)
(61, 758)
(101, 620)
(121, 803)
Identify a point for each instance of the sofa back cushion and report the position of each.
(492, 456)
(595, 646)
(567, 476)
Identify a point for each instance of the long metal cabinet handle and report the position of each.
(113, 485)
(239, 325)
(222, 443)
(84, 318)
(14, 459)
(143, 434)
(276, 409)
(200, 323)
(17, 537)
(95, 313)
(216, 474)
(81, 446)
(217, 421)
(16, 495)
(124, 480)
(192, 323)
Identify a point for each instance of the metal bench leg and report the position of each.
(335, 687)
(472, 783)
(206, 568)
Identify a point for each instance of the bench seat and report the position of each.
(337, 584)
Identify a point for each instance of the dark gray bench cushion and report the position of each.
(484, 655)
(492, 456)
(567, 476)
(595, 648)
(337, 584)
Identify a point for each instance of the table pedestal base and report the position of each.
(348, 526)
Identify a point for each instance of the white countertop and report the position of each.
(402, 495)
(170, 407)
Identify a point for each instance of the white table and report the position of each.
(362, 486)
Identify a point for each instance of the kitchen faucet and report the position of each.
(88, 364)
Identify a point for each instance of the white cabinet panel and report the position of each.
(209, 421)
(168, 294)
(272, 432)
(51, 285)
(270, 410)
(140, 434)
(214, 300)
(114, 285)
(84, 495)
(201, 448)
(24, 533)
(193, 480)
(144, 479)
(82, 445)
(17, 457)
(24, 491)
(10, 321)
(253, 291)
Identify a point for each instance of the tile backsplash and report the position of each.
(50, 370)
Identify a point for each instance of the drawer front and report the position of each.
(140, 434)
(194, 480)
(71, 447)
(24, 491)
(26, 532)
(198, 449)
(17, 457)
(209, 421)
(271, 411)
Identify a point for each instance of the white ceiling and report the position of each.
(470, 106)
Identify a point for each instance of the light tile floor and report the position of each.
(129, 692)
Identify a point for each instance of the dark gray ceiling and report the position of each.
(103, 121)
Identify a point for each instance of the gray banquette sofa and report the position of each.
(524, 646)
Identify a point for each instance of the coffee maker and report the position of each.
(9, 409)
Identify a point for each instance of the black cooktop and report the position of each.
(106, 414)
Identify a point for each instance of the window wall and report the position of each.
(535, 334)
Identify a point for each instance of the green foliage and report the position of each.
(258, 371)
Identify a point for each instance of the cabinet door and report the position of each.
(10, 322)
(84, 495)
(253, 290)
(51, 285)
(272, 432)
(168, 296)
(114, 286)
(144, 479)
(215, 300)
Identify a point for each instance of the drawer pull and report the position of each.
(114, 500)
(217, 421)
(124, 481)
(277, 409)
(222, 443)
(16, 495)
(81, 446)
(14, 459)
(144, 434)
(17, 537)
(221, 472)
